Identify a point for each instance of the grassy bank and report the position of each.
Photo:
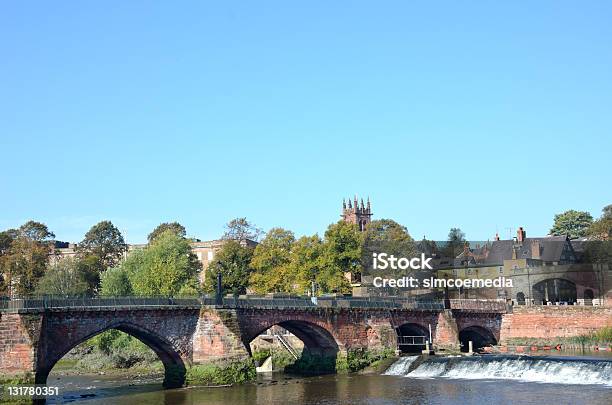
(602, 337)
(110, 352)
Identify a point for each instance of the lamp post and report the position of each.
(219, 290)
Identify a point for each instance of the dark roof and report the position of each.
(552, 249)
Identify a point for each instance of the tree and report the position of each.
(602, 228)
(241, 229)
(24, 257)
(234, 264)
(115, 282)
(91, 267)
(174, 227)
(163, 267)
(63, 278)
(270, 261)
(104, 241)
(572, 223)
(456, 242)
(385, 230)
(36, 231)
(6, 240)
(341, 254)
(305, 264)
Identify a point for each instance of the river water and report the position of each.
(482, 380)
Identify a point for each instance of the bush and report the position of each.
(235, 372)
(259, 356)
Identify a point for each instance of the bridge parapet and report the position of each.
(103, 303)
(474, 305)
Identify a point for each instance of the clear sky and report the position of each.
(482, 115)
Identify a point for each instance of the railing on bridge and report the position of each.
(55, 302)
(476, 305)
(411, 340)
(38, 303)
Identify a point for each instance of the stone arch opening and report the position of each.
(520, 298)
(554, 290)
(479, 336)
(588, 294)
(318, 345)
(411, 337)
(174, 366)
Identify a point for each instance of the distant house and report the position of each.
(542, 251)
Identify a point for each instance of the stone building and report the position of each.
(354, 213)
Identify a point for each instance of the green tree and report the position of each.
(270, 261)
(602, 228)
(573, 223)
(173, 227)
(6, 240)
(386, 230)
(115, 282)
(104, 241)
(63, 278)
(241, 229)
(91, 267)
(36, 231)
(305, 264)
(164, 267)
(341, 254)
(234, 264)
(24, 258)
(455, 243)
(386, 235)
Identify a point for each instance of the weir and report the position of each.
(556, 370)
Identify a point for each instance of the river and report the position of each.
(481, 380)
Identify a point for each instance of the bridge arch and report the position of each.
(479, 336)
(174, 365)
(410, 330)
(317, 340)
(554, 290)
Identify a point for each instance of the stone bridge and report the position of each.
(35, 334)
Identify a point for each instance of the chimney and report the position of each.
(496, 236)
(535, 249)
(520, 235)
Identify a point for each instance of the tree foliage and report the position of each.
(173, 227)
(572, 223)
(602, 228)
(341, 254)
(63, 278)
(455, 243)
(162, 268)
(104, 241)
(270, 261)
(24, 257)
(241, 229)
(234, 264)
(386, 230)
(115, 282)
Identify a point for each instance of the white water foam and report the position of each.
(401, 366)
(556, 371)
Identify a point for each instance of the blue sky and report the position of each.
(481, 115)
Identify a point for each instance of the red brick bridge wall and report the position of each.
(34, 342)
(543, 322)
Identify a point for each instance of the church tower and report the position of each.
(353, 213)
